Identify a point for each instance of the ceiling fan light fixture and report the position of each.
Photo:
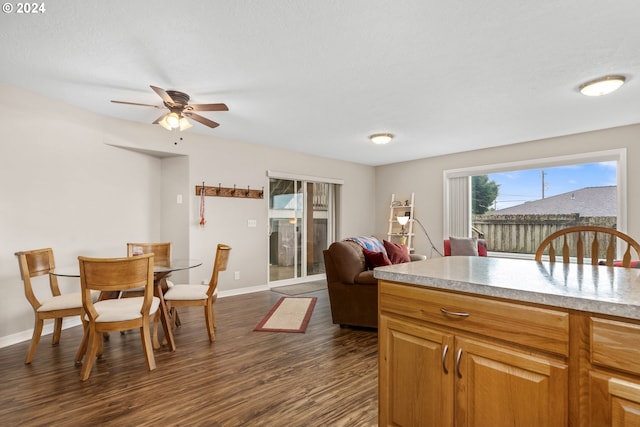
(381, 138)
(163, 123)
(184, 124)
(602, 86)
(173, 120)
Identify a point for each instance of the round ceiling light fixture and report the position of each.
(602, 86)
(381, 138)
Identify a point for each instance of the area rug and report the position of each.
(301, 288)
(289, 314)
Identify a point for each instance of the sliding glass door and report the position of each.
(300, 228)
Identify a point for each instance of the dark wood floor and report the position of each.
(324, 377)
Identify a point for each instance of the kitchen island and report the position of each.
(482, 341)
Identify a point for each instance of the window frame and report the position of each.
(455, 199)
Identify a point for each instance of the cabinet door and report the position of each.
(613, 401)
(416, 375)
(498, 387)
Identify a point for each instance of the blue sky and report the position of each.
(517, 187)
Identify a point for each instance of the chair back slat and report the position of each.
(573, 236)
(611, 250)
(565, 251)
(580, 250)
(595, 249)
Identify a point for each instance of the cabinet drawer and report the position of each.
(536, 327)
(615, 344)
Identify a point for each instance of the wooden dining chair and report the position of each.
(592, 242)
(33, 264)
(161, 251)
(201, 295)
(117, 314)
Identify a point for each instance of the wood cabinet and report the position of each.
(416, 374)
(498, 386)
(614, 373)
(449, 359)
(483, 341)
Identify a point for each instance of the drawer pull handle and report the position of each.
(458, 357)
(445, 350)
(454, 313)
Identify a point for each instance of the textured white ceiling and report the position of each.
(319, 76)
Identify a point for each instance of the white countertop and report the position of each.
(599, 289)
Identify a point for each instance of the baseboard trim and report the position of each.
(22, 336)
(26, 335)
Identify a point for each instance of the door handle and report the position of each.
(445, 350)
(458, 357)
(455, 313)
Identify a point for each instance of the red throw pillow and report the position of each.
(375, 259)
(396, 252)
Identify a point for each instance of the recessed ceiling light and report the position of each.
(381, 138)
(602, 86)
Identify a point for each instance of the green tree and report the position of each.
(483, 193)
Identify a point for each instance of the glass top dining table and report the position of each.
(175, 265)
(160, 272)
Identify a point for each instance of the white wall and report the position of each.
(64, 185)
(425, 176)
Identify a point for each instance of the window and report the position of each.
(547, 191)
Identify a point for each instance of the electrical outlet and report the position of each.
(237, 275)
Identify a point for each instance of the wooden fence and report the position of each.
(524, 233)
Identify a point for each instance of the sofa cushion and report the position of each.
(396, 252)
(375, 259)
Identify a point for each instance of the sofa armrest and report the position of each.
(417, 257)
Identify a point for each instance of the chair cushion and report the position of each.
(632, 264)
(465, 246)
(187, 292)
(62, 302)
(119, 309)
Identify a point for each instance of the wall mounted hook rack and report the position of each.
(221, 191)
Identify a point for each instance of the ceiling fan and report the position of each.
(179, 109)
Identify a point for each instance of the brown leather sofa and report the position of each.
(353, 291)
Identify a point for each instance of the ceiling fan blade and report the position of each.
(164, 95)
(135, 103)
(207, 107)
(201, 119)
(156, 121)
